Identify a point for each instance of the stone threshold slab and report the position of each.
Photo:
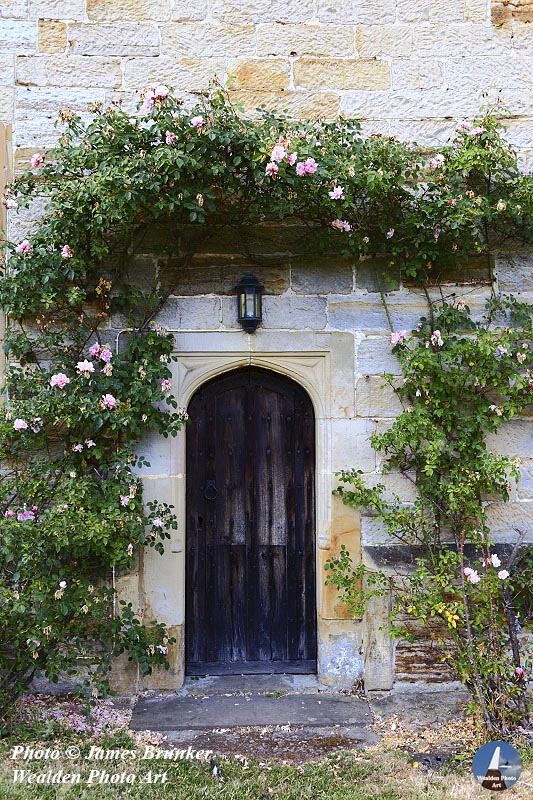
(201, 713)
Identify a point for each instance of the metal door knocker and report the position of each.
(210, 490)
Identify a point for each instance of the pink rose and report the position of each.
(24, 247)
(9, 513)
(477, 131)
(390, 233)
(519, 671)
(271, 168)
(108, 401)
(89, 443)
(10, 202)
(125, 499)
(503, 574)
(20, 424)
(105, 355)
(341, 225)
(77, 448)
(166, 386)
(130, 549)
(66, 252)
(310, 166)
(161, 92)
(197, 122)
(37, 159)
(436, 339)
(170, 138)
(292, 158)
(149, 98)
(397, 337)
(437, 161)
(337, 193)
(495, 561)
(60, 380)
(300, 168)
(85, 367)
(278, 153)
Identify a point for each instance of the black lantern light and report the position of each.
(249, 302)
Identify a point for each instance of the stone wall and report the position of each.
(412, 68)
(406, 67)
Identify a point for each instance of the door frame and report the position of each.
(324, 364)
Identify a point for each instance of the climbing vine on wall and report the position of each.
(76, 407)
(462, 381)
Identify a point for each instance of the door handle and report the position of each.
(210, 492)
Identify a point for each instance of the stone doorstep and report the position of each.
(239, 711)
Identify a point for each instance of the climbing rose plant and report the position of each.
(462, 380)
(89, 364)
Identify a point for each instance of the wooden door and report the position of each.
(250, 568)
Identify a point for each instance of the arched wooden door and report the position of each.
(250, 568)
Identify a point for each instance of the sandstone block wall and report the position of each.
(407, 67)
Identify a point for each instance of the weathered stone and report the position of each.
(430, 10)
(295, 312)
(350, 444)
(374, 41)
(220, 275)
(52, 36)
(345, 530)
(379, 646)
(347, 73)
(374, 356)
(18, 36)
(191, 313)
(507, 520)
(351, 11)
(397, 486)
(500, 72)
(514, 272)
(417, 74)
(312, 275)
(7, 70)
(425, 132)
(298, 40)
(472, 271)
(514, 438)
(36, 112)
(183, 10)
(184, 74)
(502, 12)
(132, 10)
(476, 10)
(410, 104)
(376, 275)
(373, 532)
(525, 484)
(375, 398)
(451, 40)
(296, 104)
(239, 11)
(60, 70)
(13, 9)
(6, 104)
(57, 9)
(266, 74)
(194, 40)
(363, 313)
(340, 662)
(114, 40)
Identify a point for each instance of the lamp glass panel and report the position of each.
(250, 304)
